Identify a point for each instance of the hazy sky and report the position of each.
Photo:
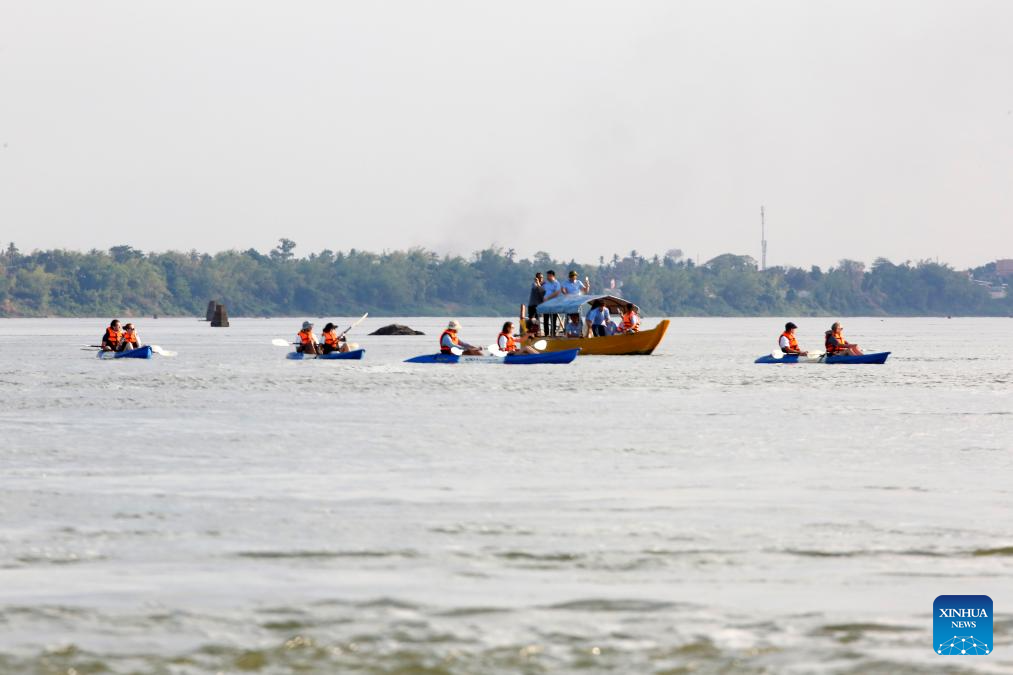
(580, 128)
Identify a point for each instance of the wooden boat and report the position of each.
(643, 342)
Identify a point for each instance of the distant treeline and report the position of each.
(124, 281)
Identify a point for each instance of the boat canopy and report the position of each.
(573, 304)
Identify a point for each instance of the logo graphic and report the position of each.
(962, 625)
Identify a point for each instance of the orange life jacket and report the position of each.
(331, 339)
(792, 342)
(453, 338)
(511, 344)
(113, 336)
(629, 324)
(306, 338)
(129, 336)
(840, 342)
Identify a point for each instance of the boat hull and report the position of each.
(351, 355)
(559, 357)
(842, 359)
(627, 344)
(139, 353)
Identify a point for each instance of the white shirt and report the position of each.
(501, 342)
(783, 342)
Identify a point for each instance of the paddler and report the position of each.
(129, 339)
(332, 341)
(307, 340)
(506, 342)
(787, 341)
(449, 341)
(836, 344)
(112, 337)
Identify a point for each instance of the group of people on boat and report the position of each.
(117, 338)
(333, 342)
(598, 323)
(833, 343)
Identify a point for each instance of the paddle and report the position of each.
(361, 319)
(162, 352)
(278, 342)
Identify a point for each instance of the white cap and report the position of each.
(454, 325)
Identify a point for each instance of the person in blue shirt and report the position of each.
(573, 327)
(574, 287)
(551, 289)
(611, 328)
(597, 319)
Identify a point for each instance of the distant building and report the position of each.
(1004, 268)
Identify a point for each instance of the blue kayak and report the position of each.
(510, 359)
(139, 353)
(878, 357)
(354, 354)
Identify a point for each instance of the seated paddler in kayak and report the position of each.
(112, 338)
(332, 341)
(787, 341)
(506, 342)
(449, 340)
(307, 340)
(129, 339)
(836, 344)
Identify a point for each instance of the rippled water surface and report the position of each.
(228, 510)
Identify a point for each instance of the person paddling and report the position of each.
(506, 342)
(449, 340)
(787, 341)
(129, 339)
(332, 341)
(112, 337)
(836, 344)
(307, 340)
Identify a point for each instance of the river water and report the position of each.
(228, 510)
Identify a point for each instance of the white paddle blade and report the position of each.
(540, 345)
(777, 354)
(278, 342)
(162, 352)
(456, 351)
(494, 351)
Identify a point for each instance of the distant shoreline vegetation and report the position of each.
(124, 281)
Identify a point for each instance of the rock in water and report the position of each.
(221, 318)
(396, 329)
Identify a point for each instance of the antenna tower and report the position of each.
(763, 241)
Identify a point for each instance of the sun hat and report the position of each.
(306, 324)
(454, 325)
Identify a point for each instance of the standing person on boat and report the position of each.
(631, 319)
(574, 329)
(552, 289)
(598, 319)
(307, 340)
(112, 337)
(836, 344)
(574, 287)
(449, 340)
(332, 341)
(129, 339)
(536, 296)
(506, 342)
(787, 341)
